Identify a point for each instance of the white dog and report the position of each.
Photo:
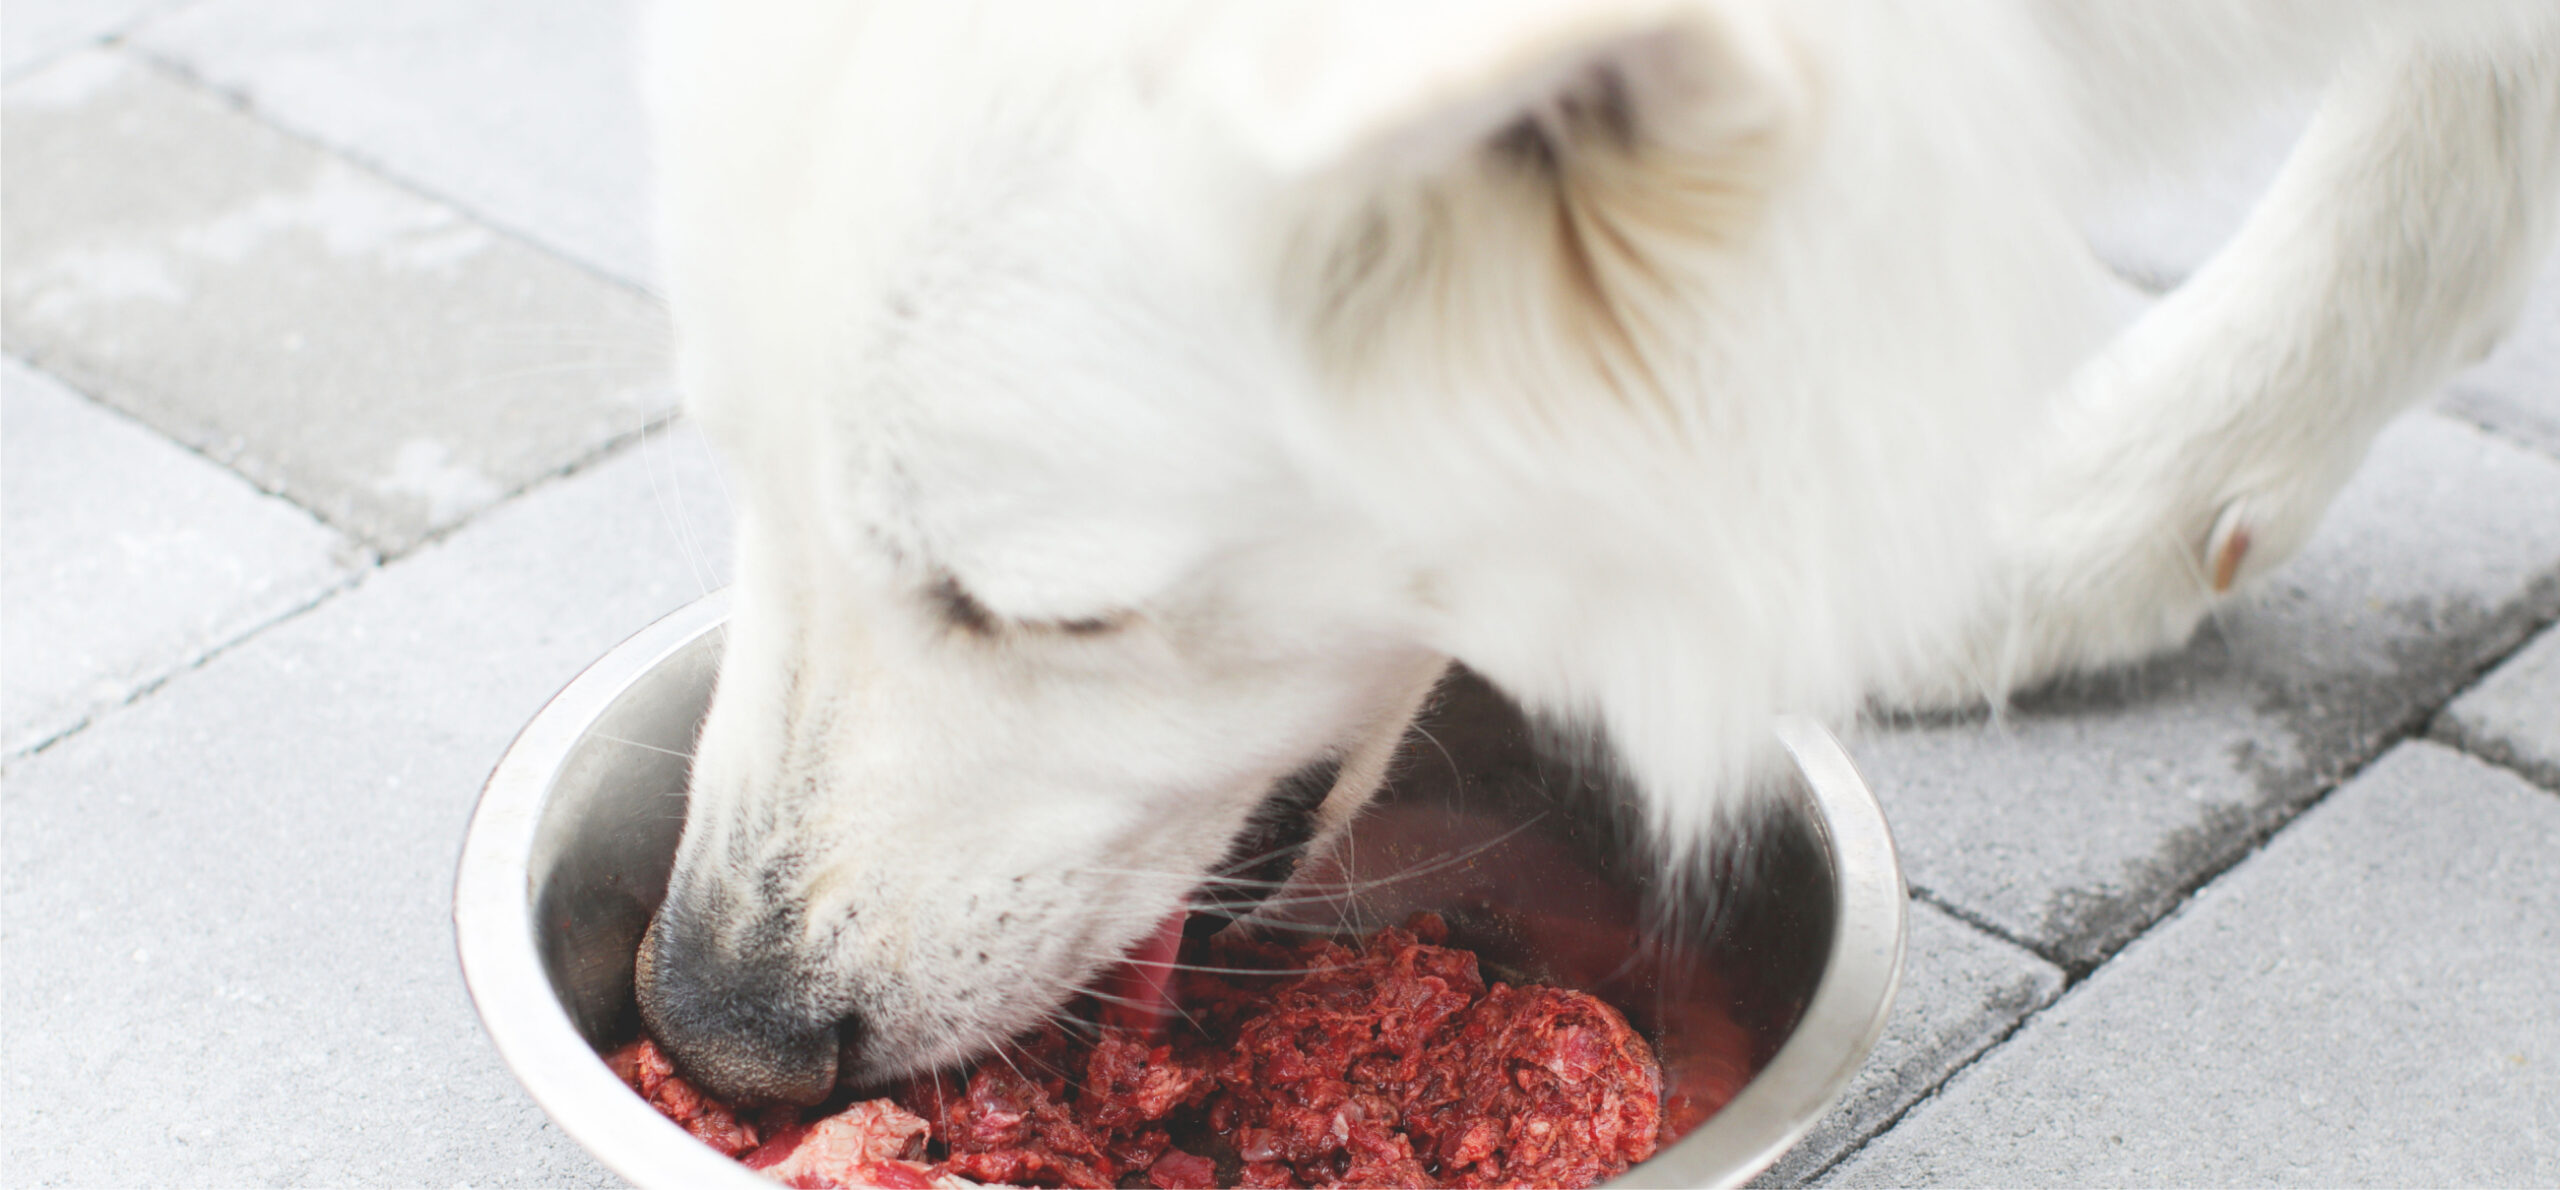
(1134, 406)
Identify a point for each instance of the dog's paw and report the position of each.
(2138, 516)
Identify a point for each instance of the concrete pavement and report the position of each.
(338, 436)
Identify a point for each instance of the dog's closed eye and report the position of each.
(959, 608)
(962, 611)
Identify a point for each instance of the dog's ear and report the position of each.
(1315, 86)
(1502, 201)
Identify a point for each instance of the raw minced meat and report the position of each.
(645, 1069)
(871, 1143)
(867, 1144)
(1543, 1087)
(1308, 1063)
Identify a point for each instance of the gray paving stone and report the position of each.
(375, 357)
(2366, 1002)
(1962, 990)
(125, 558)
(2084, 813)
(2513, 716)
(226, 910)
(526, 115)
(34, 31)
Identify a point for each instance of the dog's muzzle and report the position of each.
(730, 1022)
(735, 1015)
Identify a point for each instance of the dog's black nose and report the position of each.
(736, 1025)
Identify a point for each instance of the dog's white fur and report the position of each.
(1130, 404)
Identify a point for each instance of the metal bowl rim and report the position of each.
(502, 966)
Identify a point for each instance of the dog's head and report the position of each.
(1127, 413)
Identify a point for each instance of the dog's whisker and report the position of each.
(1355, 886)
(1456, 774)
(1005, 1052)
(1204, 969)
(1310, 888)
(1210, 969)
(671, 507)
(1340, 928)
(1341, 896)
(1169, 1004)
(719, 475)
(1069, 1021)
(1014, 1058)
(615, 739)
(1210, 879)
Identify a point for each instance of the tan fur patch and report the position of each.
(1569, 252)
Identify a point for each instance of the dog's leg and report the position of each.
(2199, 449)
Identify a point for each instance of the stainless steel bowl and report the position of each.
(1795, 931)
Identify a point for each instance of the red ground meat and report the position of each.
(1544, 1087)
(867, 1144)
(1177, 1170)
(1316, 1079)
(1304, 1064)
(1008, 1126)
(646, 1070)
